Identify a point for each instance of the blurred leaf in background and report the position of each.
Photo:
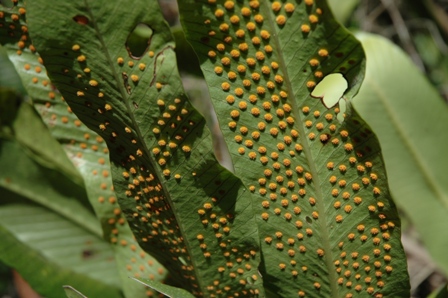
(62, 239)
(420, 28)
(342, 10)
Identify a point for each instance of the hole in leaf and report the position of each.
(309, 220)
(139, 40)
(330, 89)
(80, 19)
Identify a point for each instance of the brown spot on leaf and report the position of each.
(80, 19)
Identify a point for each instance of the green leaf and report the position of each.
(410, 119)
(343, 10)
(89, 154)
(165, 175)
(168, 291)
(25, 173)
(9, 103)
(57, 253)
(5, 279)
(42, 235)
(441, 292)
(29, 130)
(72, 293)
(328, 225)
(8, 76)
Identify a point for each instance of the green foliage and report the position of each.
(37, 183)
(87, 152)
(440, 293)
(307, 210)
(411, 125)
(62, 240)
(49, 250)
(5, 278)
(342, 10)
(168, 291)
(72, 293)
(9, 78)
(144, 182)
(330, 163)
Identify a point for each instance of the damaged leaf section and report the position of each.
(330, 90)
(139, 41)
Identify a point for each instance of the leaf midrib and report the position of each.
(140, 136)
(307, 150)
